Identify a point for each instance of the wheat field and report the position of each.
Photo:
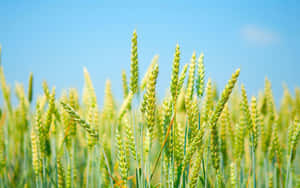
(193, 137)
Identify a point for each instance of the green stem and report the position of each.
(37, 181)
(135, 140)
(87, 170)
(253, 167)
(173, 155)
(236, 175)
(242, 173)
(275, 173)
(44, 183)
(93, 166)
(108, 167)
(72, 162)
(287, 183)
(206, 165)
(142, 156)
(266, 170)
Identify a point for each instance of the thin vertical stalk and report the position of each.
(87, 170)
(108, 167)
(173, 154)
(55, 164)
(72, 162)
(1, 182)
(37, 181)
(266, 171)
(161, 169)
(135, 140)
(93, 167)
(253, 159)
(142, 155)
(6, 143)
(184, 152)
(44, 182)
(242, 173)
(274, 172)
(206, 165)
(236, 174)
(287, 183)
(253, 167)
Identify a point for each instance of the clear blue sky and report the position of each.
(56, 39)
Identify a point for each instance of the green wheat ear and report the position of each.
(134, 69)
(256, 122)
(196, 167)
(215, 116)
(5, 91)
(124, 84)
(239, 139)
(30, 87)
(35, 152)
(145, 79)
(130, 142)
(193, 118)
(182, 78)
(80, 121)
(245, 109)
(191, 80)
(46, 89)
(269, 111)
(196, 144)
(224, 97)
(126, 105)
(73, 101)
(233, 178)
(275, 148)
(123, 165)
(224, 123)
(50, 112)
(91, 94)
(109, 104)
(60, 174)
(151, 99)
(175, 71)
(200, 78)
(208, 102)
(295, 138)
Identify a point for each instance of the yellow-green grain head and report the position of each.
(134, 69)
(200, 76)
(175, 71)
(30, 87)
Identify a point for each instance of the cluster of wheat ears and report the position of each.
(193, 138)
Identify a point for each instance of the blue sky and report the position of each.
(56, 39)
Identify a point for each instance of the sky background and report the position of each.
(56, 39)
